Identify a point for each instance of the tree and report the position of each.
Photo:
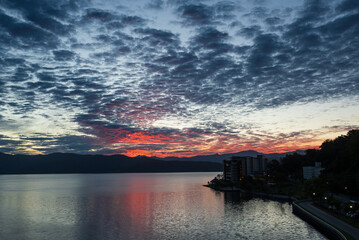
(341, 161)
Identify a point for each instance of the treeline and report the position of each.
(339, 158)
(76, 163)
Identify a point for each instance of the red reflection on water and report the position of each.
(151, 211)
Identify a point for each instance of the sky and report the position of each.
(176, 78)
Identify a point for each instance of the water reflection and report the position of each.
(232, 197)
(138, 206)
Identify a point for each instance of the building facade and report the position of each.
(232, 171)
(252, 166)
(312, 172)
(238, 167)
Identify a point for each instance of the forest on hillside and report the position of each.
(339, 158)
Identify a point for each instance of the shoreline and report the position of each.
(328, 229)
(255, 194)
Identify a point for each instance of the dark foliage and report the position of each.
(339, 157)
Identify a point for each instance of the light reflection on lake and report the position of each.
(138, 206)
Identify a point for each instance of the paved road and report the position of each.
(332, 220)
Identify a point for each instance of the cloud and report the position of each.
(93, 14)
(273, 20)
(249, 32)
(200, 14)
(132, 85)
(261, 57)
(56, 9)
(196, 14)
(259, 12)
(45, 22)
(8, 143)
(63, 55)
(347, 5)
(210, 38)
(157, 37)
(25, 34)
(155, 4)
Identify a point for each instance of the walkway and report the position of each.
(332, 220)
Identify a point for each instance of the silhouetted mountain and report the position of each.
(75, 163)
(279, 156)
(220, 157)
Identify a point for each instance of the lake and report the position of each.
(138, 206)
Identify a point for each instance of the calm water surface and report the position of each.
(138, 206)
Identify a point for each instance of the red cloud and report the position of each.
(191, 142)
(188, 143)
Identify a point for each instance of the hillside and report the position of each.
(220, 157)
(75, 163)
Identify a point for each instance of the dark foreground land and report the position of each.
(75, 163)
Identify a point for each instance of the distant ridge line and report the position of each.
(220, 157)
(77, 163)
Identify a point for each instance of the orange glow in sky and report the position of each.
(180, 145)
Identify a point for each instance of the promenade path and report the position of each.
(332, 220)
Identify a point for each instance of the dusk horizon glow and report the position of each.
(176, 78)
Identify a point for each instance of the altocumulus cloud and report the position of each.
(174, 77)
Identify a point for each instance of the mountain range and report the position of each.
(77, 163)
(220, 157)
